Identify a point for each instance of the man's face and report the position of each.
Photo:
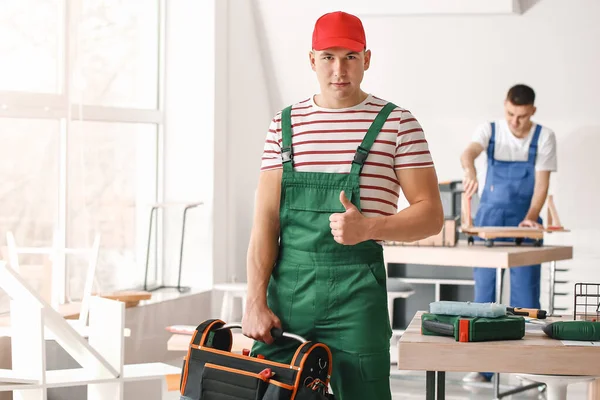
(340, 71)
(518, 117)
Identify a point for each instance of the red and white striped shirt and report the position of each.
(325, 140)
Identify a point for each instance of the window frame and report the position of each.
(64, 109)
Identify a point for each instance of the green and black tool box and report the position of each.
(212, 372)
(473, 329)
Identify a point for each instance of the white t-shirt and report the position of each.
(510, 148)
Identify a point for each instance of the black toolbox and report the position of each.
(212, 372)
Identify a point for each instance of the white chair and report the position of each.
(556, 385)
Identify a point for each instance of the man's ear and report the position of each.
(311, 58)
(534, 110)
(367, 59)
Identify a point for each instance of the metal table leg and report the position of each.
(500, 395)
(551, 288)
(499, 285)
(153, 213)
(430, 385)
(496, 380)
(441, 385)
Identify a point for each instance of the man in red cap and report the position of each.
(332, 169)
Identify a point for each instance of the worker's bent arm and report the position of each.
(423, 218)
(264, 239)
(540, 192)
(467, 158)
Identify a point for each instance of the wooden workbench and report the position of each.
(500, 256)
(477, 255)
(534, 354)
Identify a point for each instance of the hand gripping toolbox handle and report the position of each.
(275, 332)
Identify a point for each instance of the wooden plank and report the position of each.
(128, 296)
(450, 237)
(477, 255)
(465, 206)
(535, 354)
(509, 233)
(173, 381)
(553, 220)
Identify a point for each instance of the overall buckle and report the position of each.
(286, 155)
(360, 156)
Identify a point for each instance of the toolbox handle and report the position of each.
(275, 332)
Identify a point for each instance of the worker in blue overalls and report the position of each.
(521, 154)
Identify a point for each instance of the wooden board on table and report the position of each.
(492, 232)
(131, 298)
(128, 296)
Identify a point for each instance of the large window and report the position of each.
(29, 49)
(81, 121)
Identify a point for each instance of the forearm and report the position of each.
(418, 221)
(467, 161)
(262, 255)
(540, 192)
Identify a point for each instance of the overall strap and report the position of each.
(534, 145)
(362, 152)
(286, 140)
(491, 145)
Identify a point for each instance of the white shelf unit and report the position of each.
(34, 321)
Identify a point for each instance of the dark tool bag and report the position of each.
(212, 372)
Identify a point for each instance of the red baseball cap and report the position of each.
(339, 29)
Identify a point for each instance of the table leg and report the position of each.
(496, 380)
(152, 212)
(551, 287)
(499, 285)
(441, 385)
(498, 395)
(430, 385)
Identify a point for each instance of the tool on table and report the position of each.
(473, 329)
(573, 330)
(488, 310)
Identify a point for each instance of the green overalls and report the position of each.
(325, 291)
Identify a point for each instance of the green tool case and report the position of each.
(473, 329)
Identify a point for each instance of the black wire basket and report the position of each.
(586, 303)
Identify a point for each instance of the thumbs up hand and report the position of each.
(348, 228)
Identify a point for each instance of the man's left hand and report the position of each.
(528, 223)
(349, 227)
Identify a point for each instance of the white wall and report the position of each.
(452, 72)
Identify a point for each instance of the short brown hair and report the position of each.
(521, 95)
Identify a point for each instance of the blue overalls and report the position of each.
(505, 201)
